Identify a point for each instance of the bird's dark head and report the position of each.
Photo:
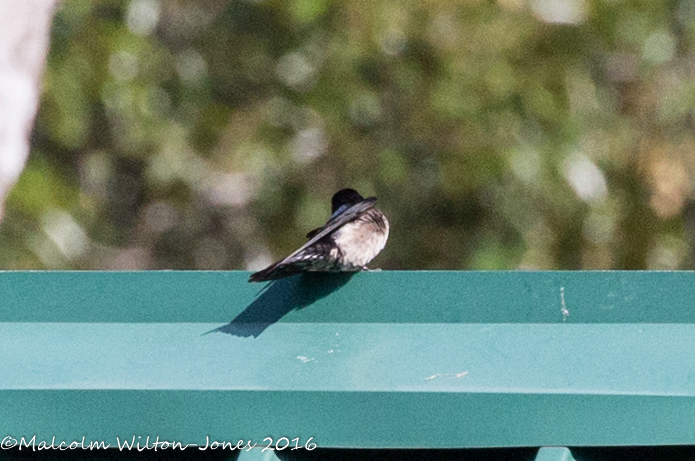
(345, 197)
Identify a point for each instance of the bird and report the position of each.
(355, 233)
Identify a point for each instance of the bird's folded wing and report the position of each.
(288, 265)
(334, 223)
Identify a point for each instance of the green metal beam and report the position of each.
(376, 360)
(367, 297)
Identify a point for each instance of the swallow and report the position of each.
(355, 233)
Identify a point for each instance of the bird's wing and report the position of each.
(289, 266)
(334, 223)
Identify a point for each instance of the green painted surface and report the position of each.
(352, 419)
(257, 454)
(554, 454)
(631, 359)
(374, 297)
(384, 359)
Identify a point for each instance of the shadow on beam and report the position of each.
(282, 296)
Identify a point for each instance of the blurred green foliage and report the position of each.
(549, 134)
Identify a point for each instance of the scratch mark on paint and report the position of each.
(565, 312)
(442, 375)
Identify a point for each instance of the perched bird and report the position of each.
(355, 233)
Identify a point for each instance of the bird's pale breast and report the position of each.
(362, 239)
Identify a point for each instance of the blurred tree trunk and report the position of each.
(24, 35)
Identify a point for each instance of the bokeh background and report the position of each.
(539, 134)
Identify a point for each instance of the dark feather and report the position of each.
(315, 251)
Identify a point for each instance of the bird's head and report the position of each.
(344, 199)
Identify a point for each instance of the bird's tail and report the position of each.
(278, 270)
(315, 257)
